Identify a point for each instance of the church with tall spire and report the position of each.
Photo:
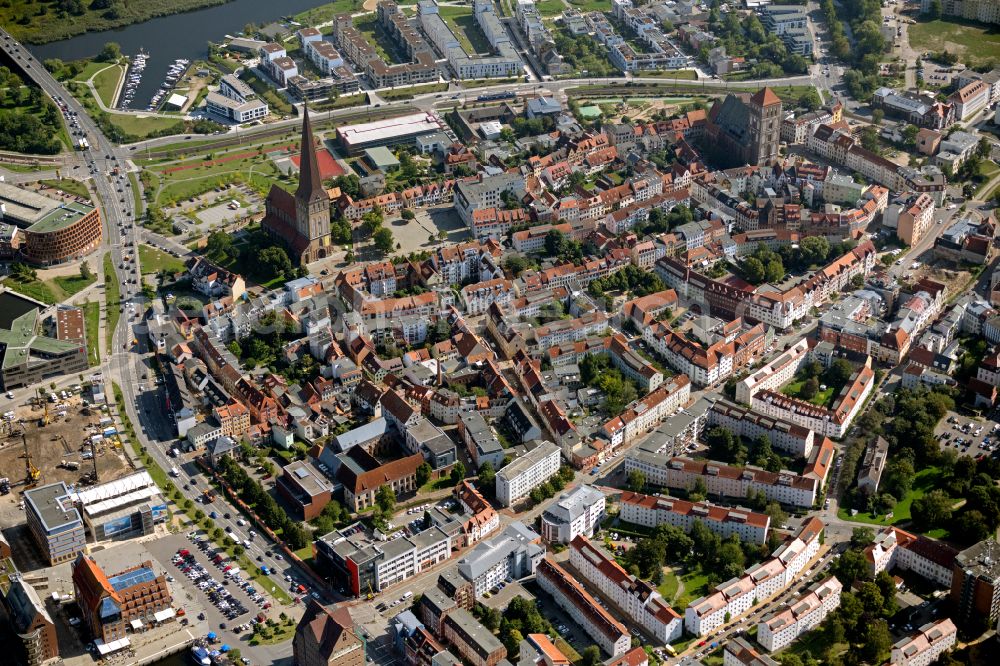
(301, 220)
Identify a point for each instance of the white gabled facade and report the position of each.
(803, 614)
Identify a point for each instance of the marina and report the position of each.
(133, 77)
(175, 72)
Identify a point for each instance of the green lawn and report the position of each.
(341, 102)
(463, 24)
(72, 284)
(367, 25)
(974, 43)
(815, 643)
(154, 260)
(685, 74)
(89, 69)
(136, 196)
(69, 186)
(412, 91)
(822, 398)
(143, 126)
(36, 289)
(591, 5)
(668, 588)
(106, 83)
(550, 7)
(695, 586)
(924, 481)
(112, 299)
(176, 186)
(482, 83)
(92, 321)
(436, 484)
(326, 12)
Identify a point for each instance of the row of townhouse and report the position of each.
(570, 330)
(779, 309)
(706, 365)
(833, 422)
(724, 480)
(428, 194)
(800, 615)
(760, 582)
(652, 510)
(841, 148)
(783, 435)
(637, 598)
(775, 374)
(607, 632)
(646, 413)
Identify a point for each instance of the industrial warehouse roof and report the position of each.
(390, 128)
(38, 213)
(106, 497)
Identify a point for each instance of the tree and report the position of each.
(591, 656)
(487, 475)
(839, 372)
(877, 642)
(238, 550)
(809, 388)
(934, 10)
(110, 53)
(274, 261)
(636, 481)
(457, 472)
(753, 270)
(383, 240)
(218, 246)
(810, 100)
(424, 472)
(385, 499)
(235, 656)
(699, 491)
(878, 115)
(86, 272)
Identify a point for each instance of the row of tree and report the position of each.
(263, 504)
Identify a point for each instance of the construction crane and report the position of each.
(31, 473)
(93, 451)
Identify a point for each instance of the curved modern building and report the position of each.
(45, 231)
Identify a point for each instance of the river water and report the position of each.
(169, 38)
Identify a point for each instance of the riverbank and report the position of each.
(52, 24)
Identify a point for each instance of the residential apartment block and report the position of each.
(651, 510)
(575, 513)
(800, 615)
(639, 599)
(607, 632)
(926, 645)
(526, 472)
(514, 554)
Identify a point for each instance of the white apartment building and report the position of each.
(607, 632)
(534, 468)
(720, 479)
(926, 557)
(738, 595)
(650, 511)
(477, 298)
(406, 557)
(784, 436)
(775, 374)
(640, 600)
(513, 554)
(324, 55)
(778, 629)
(926, 645)
(578, 512)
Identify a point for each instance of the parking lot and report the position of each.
(222, 603)
(968, 436)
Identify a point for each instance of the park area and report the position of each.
(973, 43)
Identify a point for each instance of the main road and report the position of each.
(125, 365)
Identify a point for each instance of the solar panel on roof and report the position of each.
(131, 578)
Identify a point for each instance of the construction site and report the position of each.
(47, 441)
